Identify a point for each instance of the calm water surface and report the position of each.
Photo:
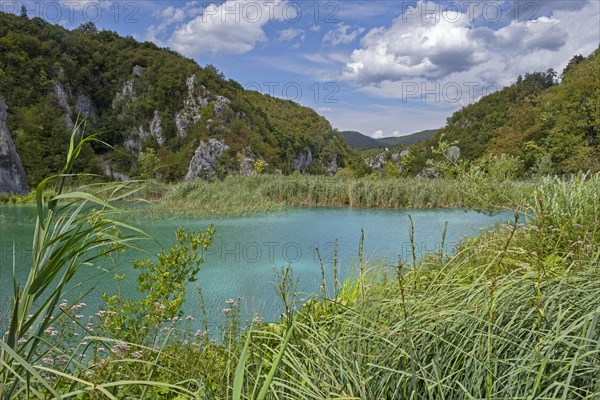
(247, 251)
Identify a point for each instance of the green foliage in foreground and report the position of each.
(513, 313)
(72, 230)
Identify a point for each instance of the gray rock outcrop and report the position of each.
(205, 158)
(192, 107)
(63, 100)
(127, 92)
(246, 161)
(402, 154)
(138, 135)
(12, 174)
(377, 161)
(429, 173)
(222, 109)
(303, 162)
(113, 175)
(138, 70)
(333, 166)
(156, 128)
(85, 106)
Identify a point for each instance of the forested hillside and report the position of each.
(154, 108)
(548, 125)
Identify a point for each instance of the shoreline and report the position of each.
(257, 195)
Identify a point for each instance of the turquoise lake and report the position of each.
(247, 251)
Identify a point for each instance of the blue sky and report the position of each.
(380, 67)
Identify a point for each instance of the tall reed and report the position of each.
(73, 229)
(266, 193)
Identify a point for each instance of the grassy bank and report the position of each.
(265, 193)
(514, 313)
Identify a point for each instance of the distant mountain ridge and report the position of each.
(359, 140)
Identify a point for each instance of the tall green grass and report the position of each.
(266, 193)
(514, 313)
(73, 229)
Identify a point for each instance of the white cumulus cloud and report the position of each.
(233, 27)
(414, 46)
(428, 46)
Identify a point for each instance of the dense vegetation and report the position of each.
(513, 313)
(128, 91)
(547, 126)
(266, 193)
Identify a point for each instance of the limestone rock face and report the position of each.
(192, 106)
(156, 128)
(205, 159)
(429, 173)
(303, 162)
(85, 106)
(246, 161)
(333, 166)
(12, 174)
(127, 92)
(222, 109)
(396, 156)
(376, 162)
(138, 135)
(63, 100)
(138, 70)
(113, 174)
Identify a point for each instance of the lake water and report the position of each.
(247, 251)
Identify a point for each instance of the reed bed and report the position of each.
(256, 194)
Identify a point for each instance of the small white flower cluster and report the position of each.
(77, 307)
(51, 331)
(102, 313)
(257, 319)
(120, 348)
(230, 304)
(199, 334)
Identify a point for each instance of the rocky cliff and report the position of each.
(12, 174)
